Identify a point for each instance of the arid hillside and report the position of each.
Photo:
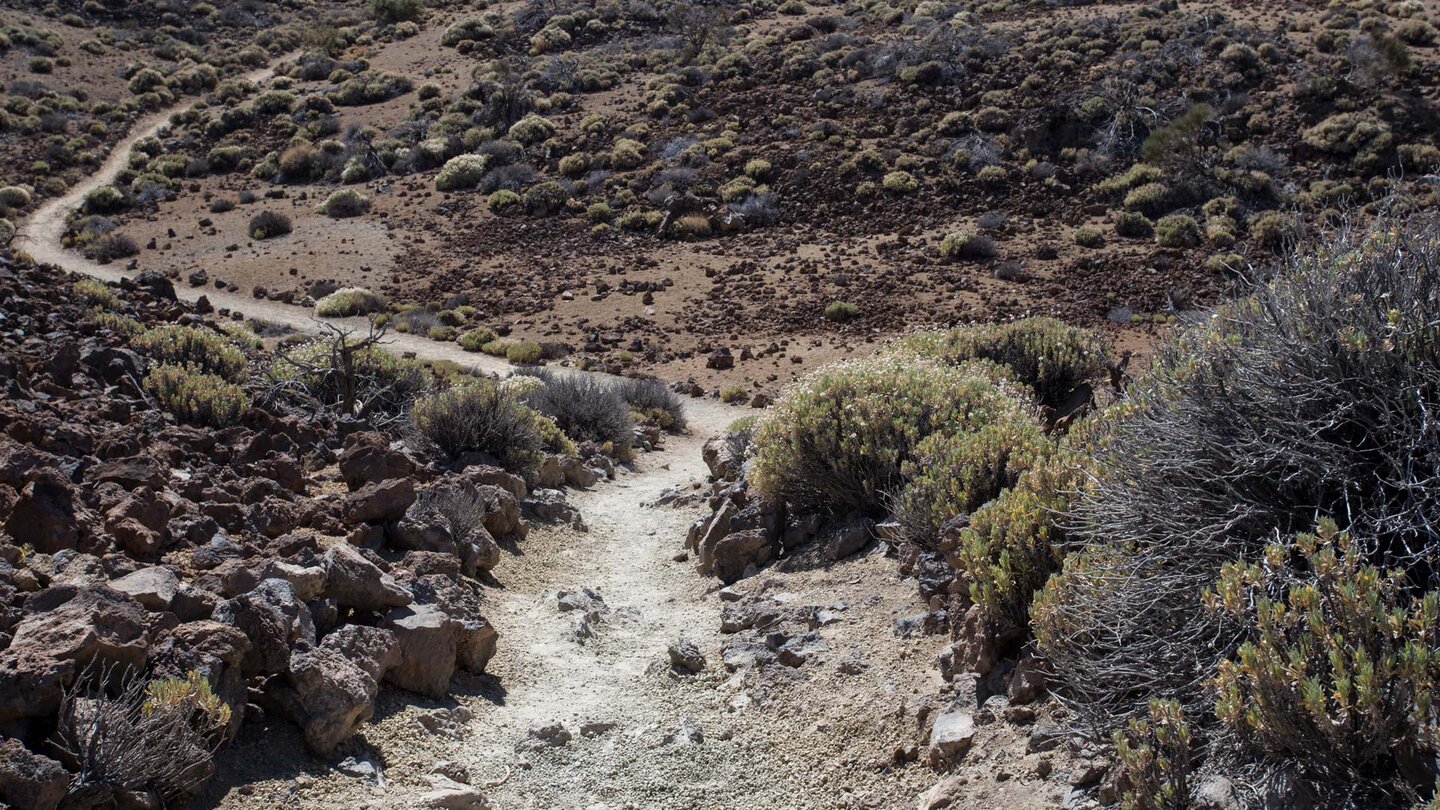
(751, 403)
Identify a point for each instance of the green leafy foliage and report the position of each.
(196, 397)
(1043, 353)
(202, 349)
(1341, 659)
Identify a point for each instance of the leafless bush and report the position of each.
(585, 407)
(513, 177)
(755, 211)
(341, 374)
(479, 418)
(1315, 397)
(126, 733)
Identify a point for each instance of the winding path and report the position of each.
(41, 235)
(545, 675)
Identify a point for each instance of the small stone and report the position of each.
(951, 737)
(686, 656)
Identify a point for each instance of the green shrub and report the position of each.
(1133, 225)
(1089, 236)
(192, 347)
(524, 352)
(545, 198)
(627, 154)
(1358, 135)
(345, 203)
(734, 394)
(105, 200)
(370, 87)
(841, 311)
(14, 198)
(1177, 231)
(1053, 359)
(462, 172)
(1273, 230)
(1155, 760)
(502, 200)
(473, 30)
(1150, 199)
(95, 292)
(573, 165)
(638, 220)
(955, 472)
(1340, 666)
(1137, 175)
(196, 397)
(691, 226)
(1012, 544)
(475, 339)
(531, 129)
(993, 176)
(126, 327)
(348, 301)
(841, 439)
(300, 163)
(900, 182)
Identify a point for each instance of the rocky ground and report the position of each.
(622, 678)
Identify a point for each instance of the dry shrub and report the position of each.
(126, 733)
(1312, 397)
(479, 418)
(651, 401)
(586, 408)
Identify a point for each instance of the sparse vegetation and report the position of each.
(345, 203)
(268, 225)
(347, 302)
(478, 418)
(584, 408)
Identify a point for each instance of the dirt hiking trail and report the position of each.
(580, 707)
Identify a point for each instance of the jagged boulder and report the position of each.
(154, 587)
(274, 619)
(355, 582)
(427, 641)
(379, 501)
(47, 515)
(335, 683)
(29, 780)
(368, 458)
(84, 624)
